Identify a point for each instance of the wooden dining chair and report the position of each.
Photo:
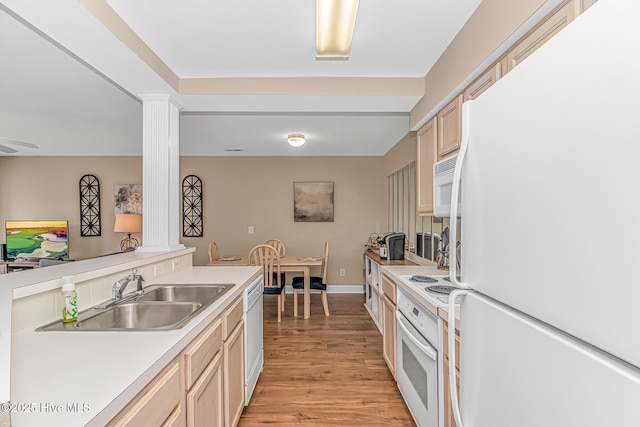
(317, 283)
(268, 258)
(213, 251)
(279, 246)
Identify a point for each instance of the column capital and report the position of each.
(160, 97)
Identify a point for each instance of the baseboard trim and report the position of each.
(335, 289)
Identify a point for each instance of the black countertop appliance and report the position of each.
(395, 245)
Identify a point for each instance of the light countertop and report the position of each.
(102, 371)
(435, 307)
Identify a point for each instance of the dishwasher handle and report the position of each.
(253, 293)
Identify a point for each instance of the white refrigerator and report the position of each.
(550, 186)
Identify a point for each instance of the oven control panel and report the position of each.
(421, 318)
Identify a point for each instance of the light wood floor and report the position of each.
(324, 370)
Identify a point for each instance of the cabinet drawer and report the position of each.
(231, 317)
(200, 352)
(389, 289)
(156, 402)
(446, 345)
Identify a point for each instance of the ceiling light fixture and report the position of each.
(335, 21)
(295, 139)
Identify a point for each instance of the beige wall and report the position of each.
(401, 154)
(489, 26)
(48, 188)
(238, 192)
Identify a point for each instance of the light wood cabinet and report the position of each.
(234, 375)
(157, 402)
(205, 399)
(176, 419)
(426, 157)
(201, 351)
(540, 35)
(448, 411)
(582, 5)
(202, 386)
(450, 128)
(203, 378)
(482, 83)
(389, 350)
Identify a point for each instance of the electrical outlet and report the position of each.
(250, 231)
(158, 269)
(176, 263)
(343, 272)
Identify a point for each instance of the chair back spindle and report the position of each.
(213, 251)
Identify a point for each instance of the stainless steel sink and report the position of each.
(160, 307)
(141, 316)
(185, 293)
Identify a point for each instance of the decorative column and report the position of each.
(160, 173)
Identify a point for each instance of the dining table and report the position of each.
(288, 264)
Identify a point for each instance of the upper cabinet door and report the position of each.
(582, 5)
(482, 83)
(427, 154)
(450, 127)
(540, 35)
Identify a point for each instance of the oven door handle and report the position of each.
(426, 349)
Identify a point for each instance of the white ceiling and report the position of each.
(70, 86)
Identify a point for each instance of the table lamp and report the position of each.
(128, 223)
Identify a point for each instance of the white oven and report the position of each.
(442, 185)
(419, 366)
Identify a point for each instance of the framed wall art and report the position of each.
(313, 201)
(128, 198)
(90, 206)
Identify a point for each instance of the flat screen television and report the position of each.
(37, 239)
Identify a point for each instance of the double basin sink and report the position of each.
(158, 308)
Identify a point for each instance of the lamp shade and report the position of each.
(128, 223)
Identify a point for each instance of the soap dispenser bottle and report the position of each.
(69, 300)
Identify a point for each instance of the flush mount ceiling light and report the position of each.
(295, 139)
(335, 21)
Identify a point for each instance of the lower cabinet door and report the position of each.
(234, 375)
(205, 400)
(389, 333)
(449, 420)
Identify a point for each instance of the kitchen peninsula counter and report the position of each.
(87, 378)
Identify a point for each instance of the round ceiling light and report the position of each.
(295, 139)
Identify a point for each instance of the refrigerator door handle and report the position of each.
(451, 319)
(455, 191)
(426, 349)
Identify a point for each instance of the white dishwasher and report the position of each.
(253, 347)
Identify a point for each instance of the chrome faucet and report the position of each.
(120, 285)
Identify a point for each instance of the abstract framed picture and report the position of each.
(313, 201)
(128, 198)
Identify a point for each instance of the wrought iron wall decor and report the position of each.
(192, 206)
(90, 206)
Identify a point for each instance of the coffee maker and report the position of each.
(394, 242)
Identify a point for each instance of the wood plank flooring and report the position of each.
(324, 370)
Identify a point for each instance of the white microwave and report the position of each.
(442, 183)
